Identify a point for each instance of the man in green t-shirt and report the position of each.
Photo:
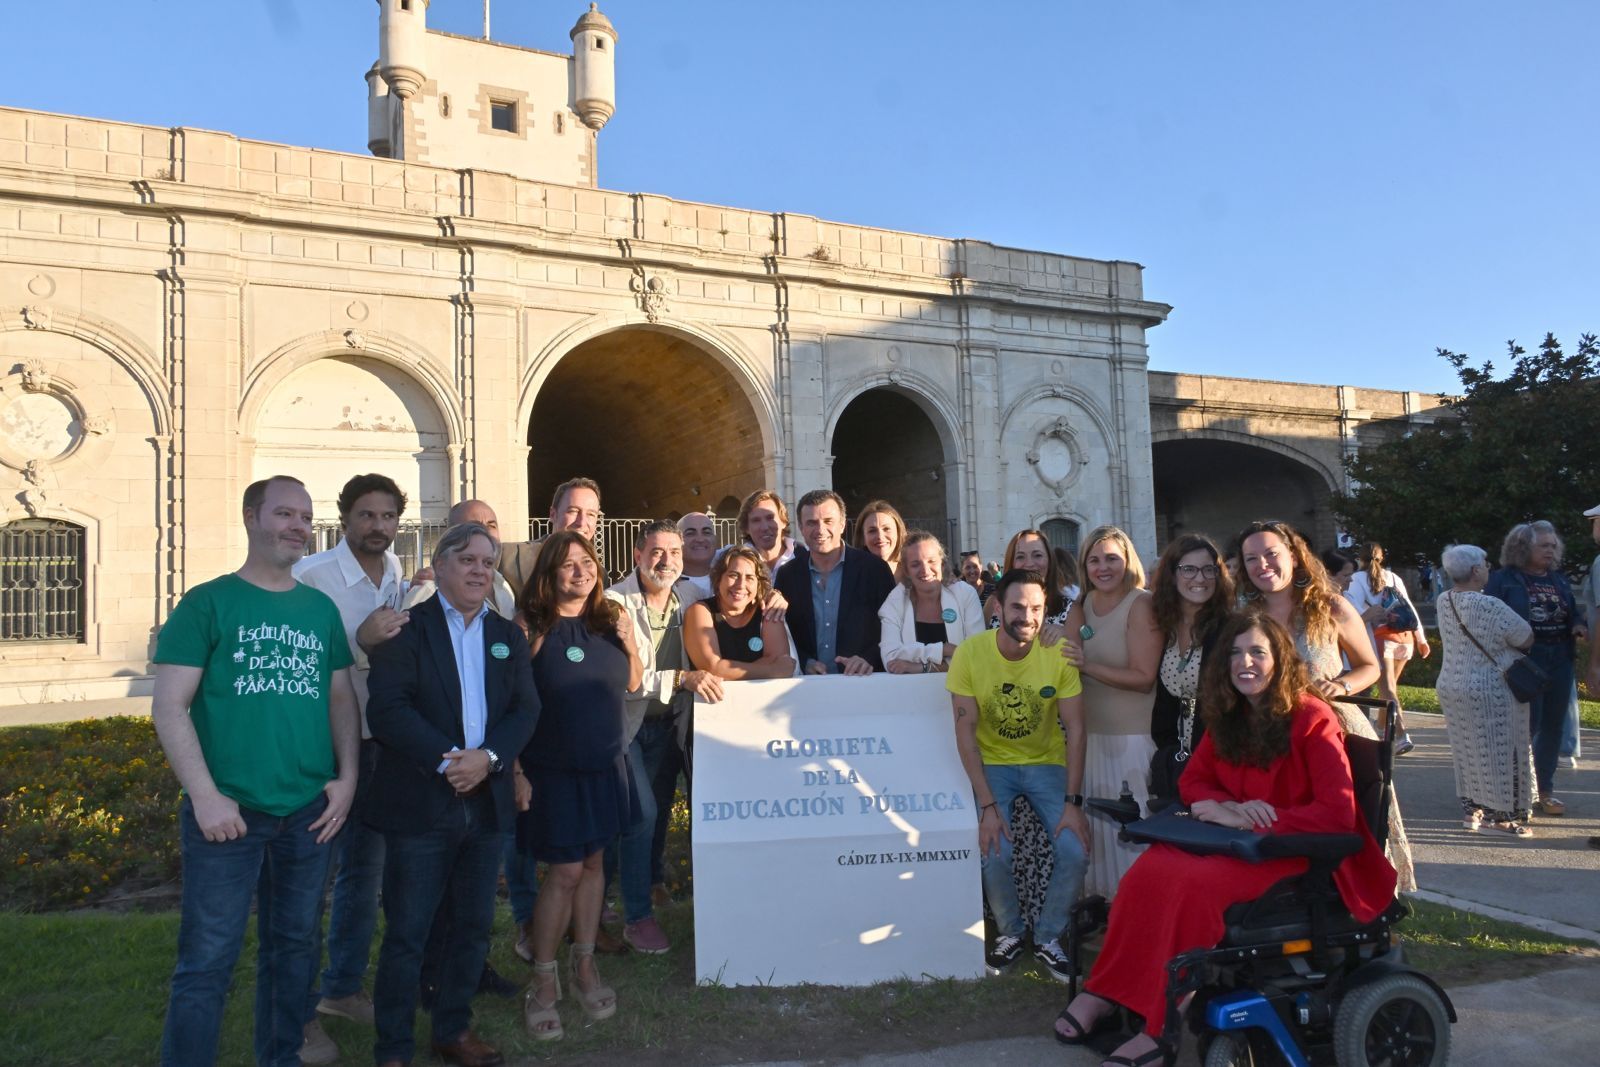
(255, 709)
(1008, 692)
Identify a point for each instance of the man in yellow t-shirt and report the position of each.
(1004, 686)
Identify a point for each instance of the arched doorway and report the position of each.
(659, 422)
(1216, 487)
(886, 447)
(346, 415)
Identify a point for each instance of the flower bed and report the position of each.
(88, 811)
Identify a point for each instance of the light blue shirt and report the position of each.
(466, 638)
(825, 609)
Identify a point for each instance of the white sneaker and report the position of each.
(318, 1047)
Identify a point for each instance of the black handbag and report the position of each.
(1525, 677)
(1167, 763)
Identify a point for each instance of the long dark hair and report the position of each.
(1244, 733)
(538, 601)
(1312, 591)
(1168, 602)
(1054, 602)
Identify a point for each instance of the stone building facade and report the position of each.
(183, 311)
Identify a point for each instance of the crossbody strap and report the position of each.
(1457, 613)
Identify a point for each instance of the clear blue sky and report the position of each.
(1324, 191)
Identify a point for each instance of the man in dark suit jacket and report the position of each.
(452, 704)
(834, 592)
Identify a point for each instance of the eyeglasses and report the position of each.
(1187, 570)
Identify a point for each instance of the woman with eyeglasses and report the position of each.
(1191, 595)
(1286, 580)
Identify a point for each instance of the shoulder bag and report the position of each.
(1525, 677)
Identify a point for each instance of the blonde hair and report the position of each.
(1133, 577)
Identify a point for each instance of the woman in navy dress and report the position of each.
(582, 794)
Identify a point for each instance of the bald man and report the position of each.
(503, 602)
(699, 549)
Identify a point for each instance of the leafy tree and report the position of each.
(1518, 448)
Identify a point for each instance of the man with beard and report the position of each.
(764, 524)
(361, 575)
(254, 709)
(650, 729)
(1007, 690)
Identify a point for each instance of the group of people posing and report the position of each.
(504, 711)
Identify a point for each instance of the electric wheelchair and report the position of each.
(1295, 978)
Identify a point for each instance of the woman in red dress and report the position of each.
(1272, 761)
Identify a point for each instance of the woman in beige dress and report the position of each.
(1113, 640)
(1284, 578)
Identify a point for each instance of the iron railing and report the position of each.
(41, 581)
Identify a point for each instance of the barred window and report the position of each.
(41, 581)
(1061, 533)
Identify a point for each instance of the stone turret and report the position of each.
(594, 45)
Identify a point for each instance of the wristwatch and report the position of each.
(495, 763)
(1075, 799)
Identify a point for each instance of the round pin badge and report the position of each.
(499, 650)
(575, 654)
(1048, 691)
(756, 644)
(948, 615)
(1086, 631)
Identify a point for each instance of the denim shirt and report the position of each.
(1507, 584)
(825, 610)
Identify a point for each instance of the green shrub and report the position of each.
(87, 809)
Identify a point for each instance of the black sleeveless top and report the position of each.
(931, 633)
(741, 644)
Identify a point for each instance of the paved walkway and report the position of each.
(72, 710)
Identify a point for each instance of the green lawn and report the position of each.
(90, 989)
(1416, 698)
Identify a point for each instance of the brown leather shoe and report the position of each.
(609, 944)
(469, 1050)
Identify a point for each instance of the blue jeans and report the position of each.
(455, 864)
(280, 862)
(1547, 713)
(631, 851)
(663, 762)
(1045, 787)
(1571, 740)
(353, 918)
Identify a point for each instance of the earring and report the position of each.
(1302, 581)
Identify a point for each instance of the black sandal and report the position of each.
(1160, 1054)
(1081, 1036)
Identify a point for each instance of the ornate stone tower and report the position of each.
(469, 102)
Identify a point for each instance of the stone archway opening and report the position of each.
(658, 421)
(1217, 487)
(345, 415)
(886, 447)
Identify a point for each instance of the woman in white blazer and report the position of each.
(926, 617)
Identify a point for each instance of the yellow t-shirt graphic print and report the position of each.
(1017, 721)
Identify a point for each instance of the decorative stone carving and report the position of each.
(1057, 457)
(357, 311)
(36, 496)
(96, 424)
(35, 376)
(42, 286)
(355, 339)
(36, 317)
(651, 291)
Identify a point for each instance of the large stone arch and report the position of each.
(733, 356)
(893, 435)
(136, 359)
(348, 413)
(667, 416)
(1198, 488)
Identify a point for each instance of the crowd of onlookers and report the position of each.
(503, 713)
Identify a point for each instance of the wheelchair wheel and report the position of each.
(1397, 1021)
(1231, 1050)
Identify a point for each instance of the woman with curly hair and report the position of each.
(584, 661)
(1272, 761)
(1286, 580)
(1191, 594)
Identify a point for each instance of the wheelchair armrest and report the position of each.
(1323, 847)
(1182, 830)
(1120, 811)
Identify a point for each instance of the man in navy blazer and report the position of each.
(452, 703)
(834, 592)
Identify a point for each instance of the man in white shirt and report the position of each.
(361, 575)
(699, 549)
